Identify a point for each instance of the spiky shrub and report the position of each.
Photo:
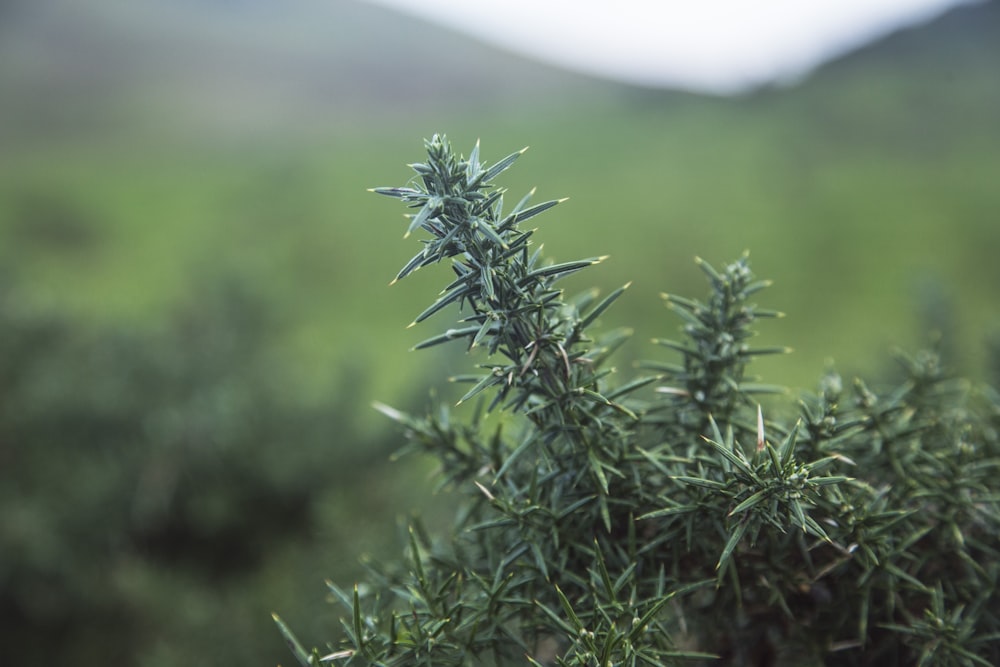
(144, 481)
(664, 520)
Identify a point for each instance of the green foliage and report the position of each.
(147, 484)
(601, 523)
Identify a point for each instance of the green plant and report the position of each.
(670, 518)
(147, 475)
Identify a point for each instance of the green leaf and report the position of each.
(359, 631)
(573, 507)
(673, 345)
(300, 653)
(563, 625)
(592, 316)
(673, 300)
(731, 543)
(828, 481)
(486, 229)
(429, 210)
(761, 351)
(893, 569)
(486, 382)
(670, 511)
(603, 400)
(604, 511)
(759, 388)
(777, 470)
(816, 529)
(524, 201)
(513, 457)
(801, 519)
(442, 302)
(539, 559)
(630, 387)
(450, 334)
(560, 269)
(787, 448)
(338, 593)
(602, 571)
(690, 655)
(418, 566)
(416, 262)
(640, 626)
(500, 166)
(488, 206)
(688, 316)
(702, 482)
(717, 434)
(485, 330)
(568, 610)
(397, 192)
(472, 167)
(751, 501)
(520, 216)
(486, 281)
(756, 286)
(734, 456)
(717, 279)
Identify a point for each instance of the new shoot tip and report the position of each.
(760, 429)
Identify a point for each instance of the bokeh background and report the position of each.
(194, 305)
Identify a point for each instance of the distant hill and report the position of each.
(962, 44)
(259, 66)
(967, 31)
(67, 67)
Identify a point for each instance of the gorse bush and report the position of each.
(145, 481)
(669, 518)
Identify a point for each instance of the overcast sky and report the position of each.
(715, 46)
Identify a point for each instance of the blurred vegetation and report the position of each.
(153, 484)
(194, 308)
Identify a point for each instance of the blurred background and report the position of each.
(194, 305)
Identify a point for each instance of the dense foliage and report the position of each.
(148, 480)
(670, 518)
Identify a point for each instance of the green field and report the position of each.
(851, 222)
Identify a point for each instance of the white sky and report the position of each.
(715, 46)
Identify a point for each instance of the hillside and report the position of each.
(243, 68)
(250, 67)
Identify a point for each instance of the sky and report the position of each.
(709, 46)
